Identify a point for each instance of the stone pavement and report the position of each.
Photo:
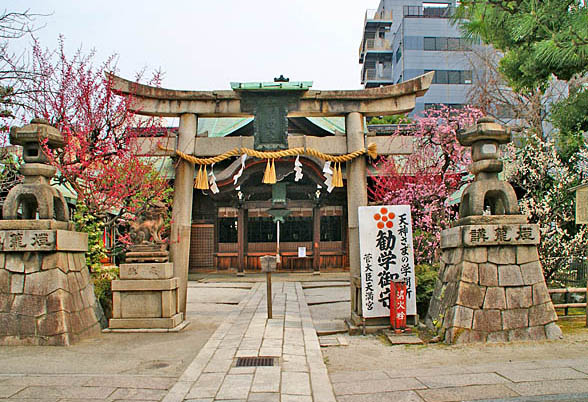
(290, 337)
(385, 373)
(495, 381)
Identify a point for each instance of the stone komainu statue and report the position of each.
(146, 229)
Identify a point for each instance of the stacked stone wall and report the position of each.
(492, 293)
(46, 298)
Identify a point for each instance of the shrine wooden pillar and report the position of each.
(181, 222)
(316, 239)
(356, 197)
(242, 239)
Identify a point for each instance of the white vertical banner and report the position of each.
(387, 254)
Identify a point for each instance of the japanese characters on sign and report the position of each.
(507, 234)
(385, 243)
(478, 235)
(25, 240)
(398, 303)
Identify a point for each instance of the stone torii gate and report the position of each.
(354, 105)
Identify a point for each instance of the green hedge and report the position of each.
(426, 276)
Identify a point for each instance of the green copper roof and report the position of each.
(220, 127)
(264, 86)
(330, 124)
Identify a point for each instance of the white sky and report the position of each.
(206, 44)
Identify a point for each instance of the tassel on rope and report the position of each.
(372, 151)
(197, 180)
(266, 173)
(339, 181)
(273, 173)
(202, 179)
(205, 185)
(335, 178)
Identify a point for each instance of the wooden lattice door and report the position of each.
(202, 246)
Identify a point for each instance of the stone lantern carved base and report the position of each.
(146, 297)
(46, 294)
(490, 286)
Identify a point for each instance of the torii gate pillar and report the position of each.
(181, 222)
(353, 104)
(356, 197)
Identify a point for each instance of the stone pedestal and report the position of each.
(146, 297)
(46, 294)
(491, 285)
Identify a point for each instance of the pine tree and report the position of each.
(537, 38)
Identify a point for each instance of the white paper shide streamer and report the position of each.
(240, 172)
(212, 180)
(329, 176)
(298, 169)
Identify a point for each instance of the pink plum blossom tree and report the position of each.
(428, 177)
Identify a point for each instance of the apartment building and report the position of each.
(406, 38)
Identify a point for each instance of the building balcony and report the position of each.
(371, 78)
(373, 45)
(374, 17)
(428, 12)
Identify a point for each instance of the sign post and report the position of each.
(387, 255)
(268, 265)
(398, 305)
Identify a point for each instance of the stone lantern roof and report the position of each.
(38, 129)
(486, 129)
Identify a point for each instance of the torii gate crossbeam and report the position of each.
(352, 104)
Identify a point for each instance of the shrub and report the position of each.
(102, 277)
(426, 276)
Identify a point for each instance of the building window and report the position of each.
(227, 230)
(398, 55)
(466, 76)
(294, 229)
(445, 43)
(331, 228)
(298, 228)
(441, 43)
(441, 105)
(452, 76)
(261, 230)
(430, 43)
(453, 44)
(440, 77)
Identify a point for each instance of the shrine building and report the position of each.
(267, 165)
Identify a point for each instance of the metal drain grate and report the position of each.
(255, 362)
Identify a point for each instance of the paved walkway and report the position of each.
(300, 374)
(518, 381)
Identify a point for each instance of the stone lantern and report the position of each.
(487, 192)
(35, 196)
(490, 286)
(46, 293)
